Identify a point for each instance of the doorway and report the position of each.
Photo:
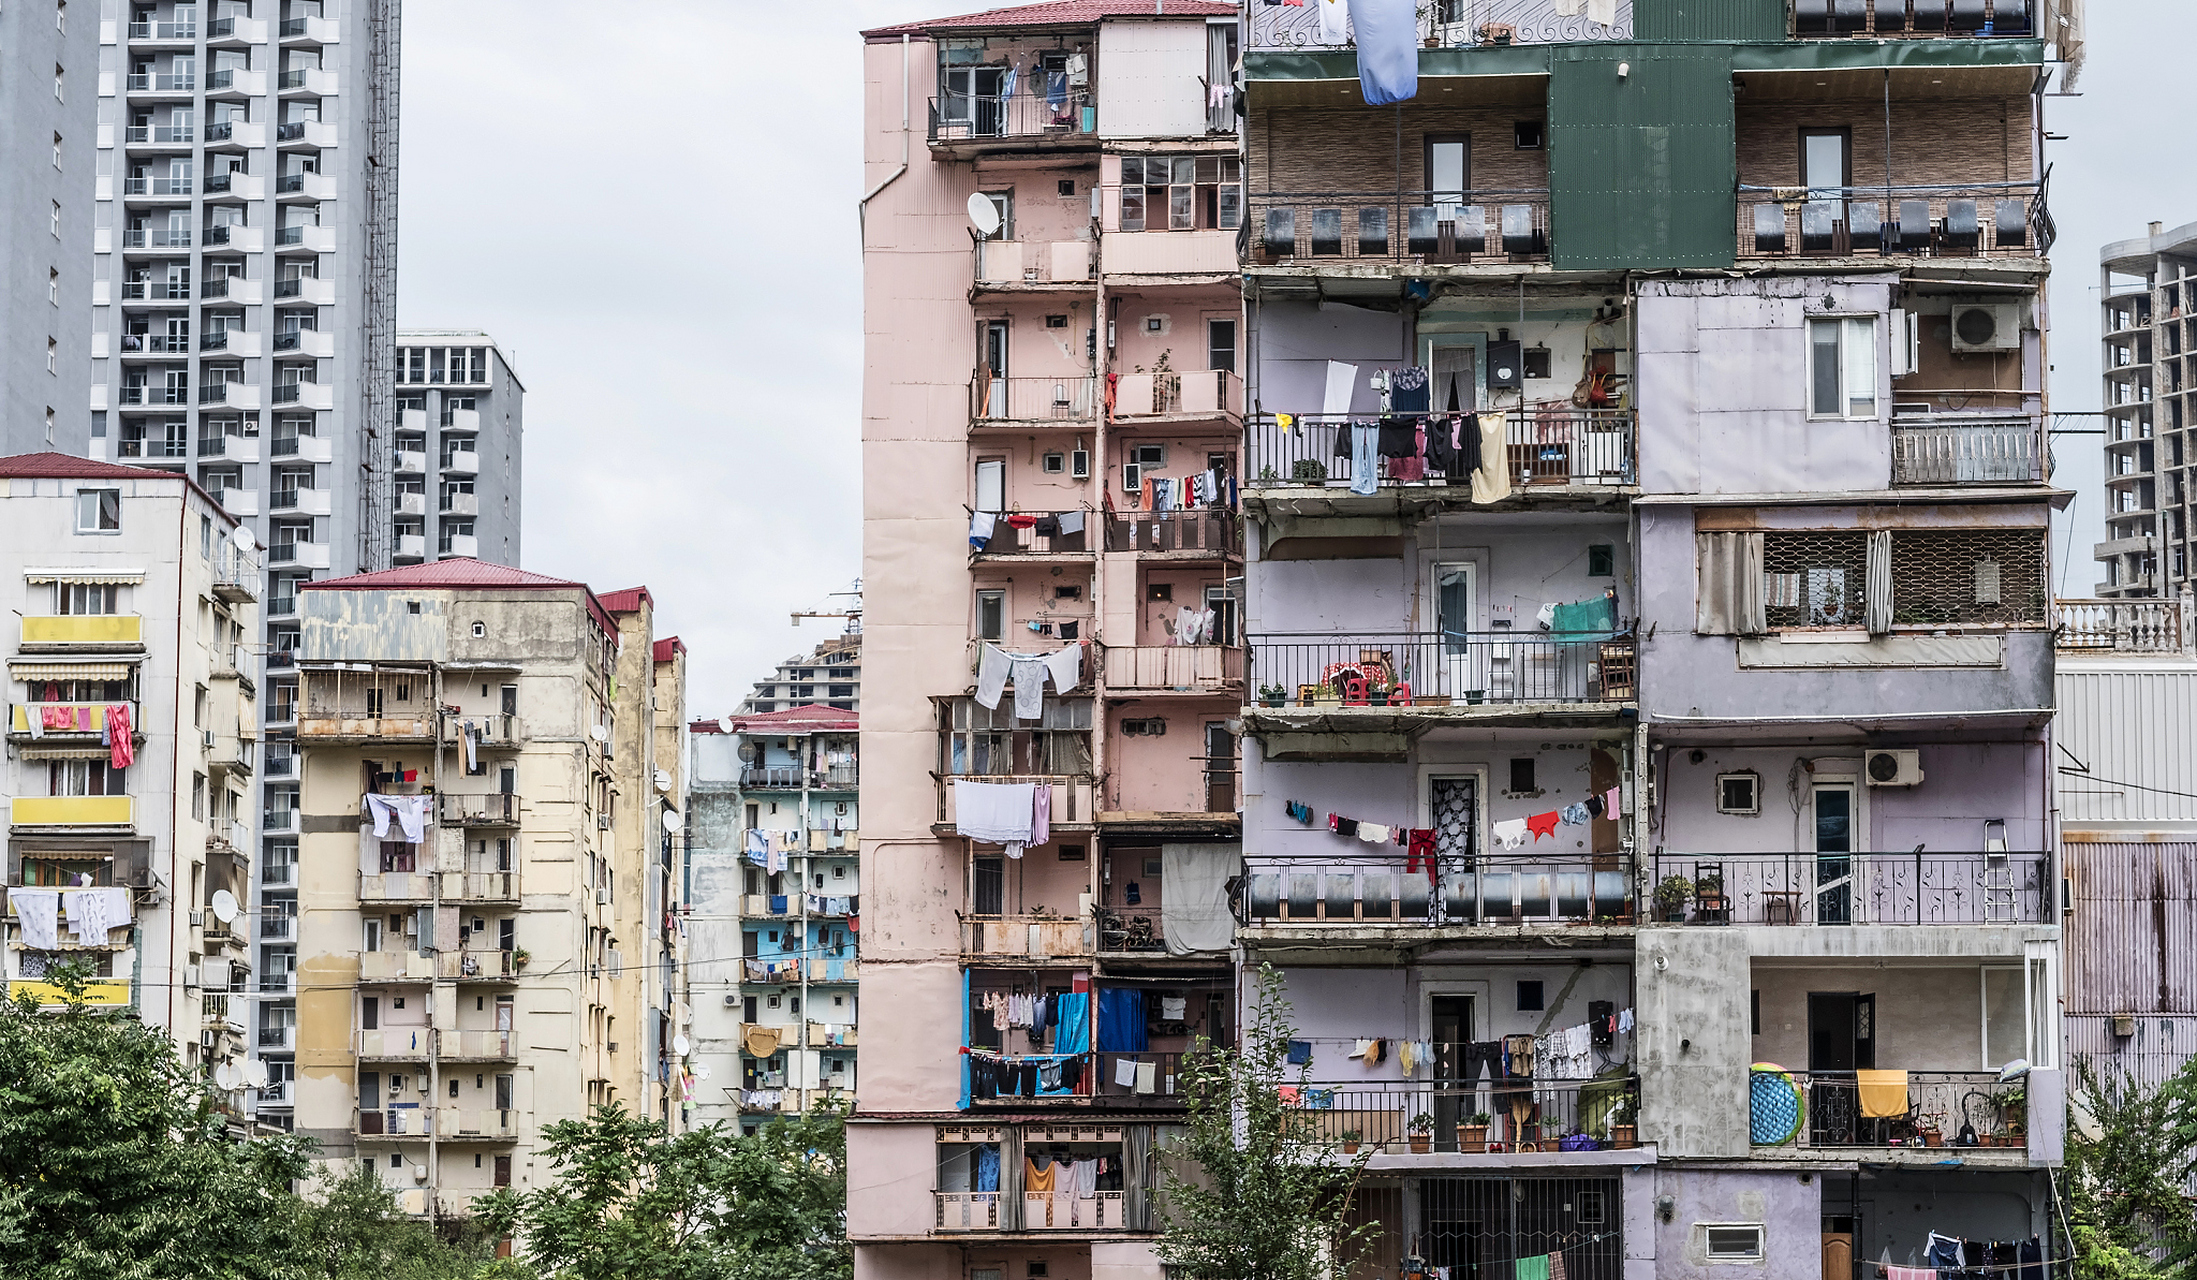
(1841, 1041)
(1465, 666)
(1832, 822)
(1455, 1095)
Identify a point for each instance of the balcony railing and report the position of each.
(1305, 228)
(1026, 936)
(1902, 888)
(1201, 392)
(290, 131)
(1555, 446)
(1194, 533)
(1954, 450)
(157, 238)
(1930, 18)
(171, 186)
(1154, 1077)
(1937, 1105)
(1318, 669)
(1523, 1114)
(164, 30)
(162, 133)
(493, 810)
(1035, 112)
(396, 1122)
(1520, 22)
(163, 83)
(1186, 668)
(1069, 398)
(1066, 1211)
(1130, 931)
(1042, 535)
(2006, 219)
(779, 777)
(1395, 890)
(2126, 626)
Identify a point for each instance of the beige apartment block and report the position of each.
(460, 991)
(131, 596)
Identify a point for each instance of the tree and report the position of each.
(2124, 1179)
(115, 1163)
(352, 1229)
(630, 1203)
(1253, 1190)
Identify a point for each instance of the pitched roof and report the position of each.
(804, 719)
(665, 647)
(626, 601)
(461, 573)
(66, 466)
(1060, 13)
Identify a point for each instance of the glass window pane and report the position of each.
(1231, 206)
(1825, 156)
(1179, 205)
(1185, 169)
(1447, 164)
(1132, 171)
(1132, 208)
(1861, 368)
(1209, 169)
(1823, 396)
(2004, 1031)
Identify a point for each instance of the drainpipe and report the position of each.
(862, 208)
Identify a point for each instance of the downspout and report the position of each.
(862, 207)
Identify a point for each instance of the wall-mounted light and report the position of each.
(1624, 69)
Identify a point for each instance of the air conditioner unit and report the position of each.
(190, 975)
(732, 1000)
(207, 1039)
(614, 1046)
(1987, 326)
(1893, 768)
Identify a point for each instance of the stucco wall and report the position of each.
(1964, 785)
(1787, 1205)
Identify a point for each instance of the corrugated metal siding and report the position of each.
(1709, 19)
(2158, 1049)
(1640, 166)
(2130, 724)
(2131, 940)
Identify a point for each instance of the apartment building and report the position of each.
(774, 832)
(1055, 195)
(470, 941)
(2148, 287)
(46, 224)
(131, 727)
(459, 407)
(1646, 539)
(830, 675)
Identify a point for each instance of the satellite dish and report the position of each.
(224, 906)
(671, 822)
(663, 780)
(680, 1046)
(598, 733)
(242, 537)
(227, 1076)
(255, 1074)
(984, 215)
(701, 1071)
(724, 724)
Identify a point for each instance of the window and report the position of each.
(1602, 560)
(72, 598)
(99, 511)
(1181, 193)
(57, 219)
(1739, 792)
(198, 795)
(1003, 204)
(1842, 367)
(991, 615)
(53, 356)
(1531, 998)
(1220, 343)
(58, 75)
(53, 284)
(1732, 1243)
(1448, 167)
(1521, 774)
(982, 741)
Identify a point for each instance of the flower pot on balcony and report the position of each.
(1421, 1143)
(1472, 1137)
(1474, 697)
(1932, 1138)
(1271, 700)
(1350, 1146)
(1624, 1136)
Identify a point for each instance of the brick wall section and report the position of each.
(1947, 142)
(1309, 149)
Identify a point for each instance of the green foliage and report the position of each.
(630, 1203)
(1252, 1191)
(2124, 1202)
(352, 1229)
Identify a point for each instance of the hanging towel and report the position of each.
(1491, 482)
(1543, 824)
(121, 751)
(1334, 22)
(1173, 1008)
(1883, 1094)
(1125, 1072)
(1121, 1020)
(1611, 804)
(1147, 1077)
(1572, 814)
(981, 525)
(1372, 833)
(1065, 666)
(994, 812)
(1086, 1172)
(1037, 1175)
(1300, 1053)
(38, 914)
(1073, 1012)
(1510, 833)
(992, 667)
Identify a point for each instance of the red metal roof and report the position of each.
(626, 601)
(804, 719)
(66, 466)
(462, 573)
(1060, 13)
(667, 646)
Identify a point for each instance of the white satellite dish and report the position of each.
(255, 1074)
(242, 537)
(680, 1046)
(598, 733)
(701, 1071)
(984, 215)
(224, 906)
(663, 780)
(227, 1076)
(671, 822)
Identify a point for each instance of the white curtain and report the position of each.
(1728, 584)
(1877, 585)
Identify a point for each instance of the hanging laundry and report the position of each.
(1041, 812)
(994, 812)
(1372, 833)
(1510, 833)
(1286, 421)
(1594, 806)
(1365, 479)
(1491, 481)
(1299, 1053)
(1543, 824)
(1147, 1077)
(981, 525)
(1612, 804)
(1422, 851)
(1341, 825)
(1300, 813)
(1572, 814)
(38, 916)
(121, 751)
(1334, 22)
(410, 813)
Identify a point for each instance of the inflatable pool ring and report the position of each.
(1776, 1107)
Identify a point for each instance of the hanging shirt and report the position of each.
(38, 915)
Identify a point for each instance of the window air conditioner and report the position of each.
(1894, 768)
(1987, 326)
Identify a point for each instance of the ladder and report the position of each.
(1999, 905)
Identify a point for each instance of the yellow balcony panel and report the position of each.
(97, 719)
(105, 630)
(98, 991)
(72, 811)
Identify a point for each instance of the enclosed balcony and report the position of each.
(1036, 116)
(72, 811)
(1548, 452)
(492, 810)
(385, 703)
(1967, 449)
(63, 722)
(111, 632)
(1918, 19)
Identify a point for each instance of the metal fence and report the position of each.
(1494, 226)
(1938, 1107)
(1912, 888)
(1400, 890)
(1458, 668)
(1215, 530)
(1544, 445)
(1033, 114)
(1066, 398)
(1928, 18)
(1956, 450)
(1492, 1114)
(2006, 219)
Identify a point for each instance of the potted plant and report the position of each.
(1351, 1139)
(1377, 693)
(1474, 697)
(1272, 695)
(1422, 1133)
(1267, 474)
(1671, 895)
(1308, 471)
(1624, 1123)
(1472, 1135)
(519, 957)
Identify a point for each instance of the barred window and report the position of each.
(990, 741)
(1945, 576)
(1814, 579)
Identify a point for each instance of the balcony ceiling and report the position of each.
(1909, 84)
(1530, 90)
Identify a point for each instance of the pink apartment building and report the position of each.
(1052, 419)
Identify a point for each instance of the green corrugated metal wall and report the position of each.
(1641, 166)
(1708, 19)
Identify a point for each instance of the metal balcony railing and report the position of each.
(1890, 888)
(1067, 398)
(1430, 669)
(1036, 111)
(1509, 1115)
(1554, 446)
(1395, 890)
(1938, 1105)
(1964, 19)
(1491, 226)
(1208, 530)
(2005, 219)
(1039, 533)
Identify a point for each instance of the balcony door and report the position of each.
(995, 366)
(1455, 1096)
(1464, 667)
(1833, 823)
(1826, 171)
(970, 102)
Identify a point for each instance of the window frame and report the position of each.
(1759, 1253)
(100, 511)
(1845, 370)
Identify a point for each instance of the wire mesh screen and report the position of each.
(1968, 575)
(1497, 1228)
(1814, 579)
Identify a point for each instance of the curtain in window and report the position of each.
(1877, 583)
(1728, 584)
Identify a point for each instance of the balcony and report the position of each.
(968, 124)
(1548, 452)
(312, 239)
(277, 926)
(358, 723)
(478, 966)
(1154, 1081)
(463, 545)
(236, 184)
(461, 504)
(72, 811)
(1197, 534)
(1937, 1105)
(1537, 1116)
(1039, 533)
(467, 420)
(2125, 626)
(164, 30)
(1994, 220)
(310, 80)
(64, 720)
(231, 395)
(1202, 394)
(397, 886)
(236, 30)
(1823, 889)
(237, 82)
(395, 1122)
(411, 462)
(779, 777)
(1072, 800)
(154, 344)
(493, 810)
(1413, 675)
(228, 288)
(301, 501)
(281, 1039)
(410, 546)
(1412, 228)
(480, 886)
(393, 1042)
(1950, 449)
(309, 31)
(475, 1046)
(1206, 669)
(311, 342)
(240, 502)
(241, 238)
(1347, 895)
(396, 966)
(309, 186)
(103, 631)
(150, 186)
(228, 448)
(463, 462)
(1020, 402)
(1297, 29)
(246, 134)
(495, 730)
(278, 822)
(305, 395)
(321, 293)
(1026, 937)
(1929, 19)
(159, 135)
(1033, 266)
(170, 237)
(457, 1124)
(305, 555)
(162, 82)
(304, 448)
(236, 342)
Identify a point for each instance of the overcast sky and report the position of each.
(652, 209)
